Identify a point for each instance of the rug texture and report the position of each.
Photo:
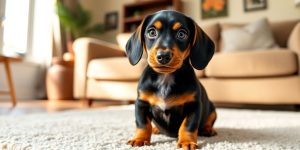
(110, 128)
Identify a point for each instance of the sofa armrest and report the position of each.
(85, 50)
(294, 42)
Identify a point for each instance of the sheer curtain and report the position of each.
(26, 28)
(29, 75)
(42, 40)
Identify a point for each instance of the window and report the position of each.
(16, 26)
(2, 4)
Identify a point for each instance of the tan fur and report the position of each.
(186, 139)
(157, 25)
(142, 135)
(176, 26)
(177, 100)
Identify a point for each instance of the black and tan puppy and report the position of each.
(169, 93)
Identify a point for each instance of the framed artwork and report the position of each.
(214, 8)
(252, 5)
(111, 20)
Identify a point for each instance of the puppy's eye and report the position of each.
(152, 33)
(182, 34)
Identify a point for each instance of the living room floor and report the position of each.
(39, 106)
(110, 128)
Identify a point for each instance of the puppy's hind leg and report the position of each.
(208, 129)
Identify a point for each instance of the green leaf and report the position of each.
(77, 22)
(97, 28)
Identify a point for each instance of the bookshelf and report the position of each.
(135, 12)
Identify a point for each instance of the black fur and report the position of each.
(202, 50)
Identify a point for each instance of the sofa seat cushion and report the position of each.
(115, 69)
(274, 62)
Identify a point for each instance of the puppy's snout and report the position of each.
(163, 57)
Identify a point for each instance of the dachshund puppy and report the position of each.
(169, 93)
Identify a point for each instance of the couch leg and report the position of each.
(86, 102)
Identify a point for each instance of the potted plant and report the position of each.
(76, 21)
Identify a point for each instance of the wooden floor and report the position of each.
(38, 106)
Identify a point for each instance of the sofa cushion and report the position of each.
(256, 35)
(281, 30)
(115, 69)
(276, 62)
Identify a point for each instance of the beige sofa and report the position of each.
(254, 77)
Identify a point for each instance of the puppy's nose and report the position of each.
(163, 57)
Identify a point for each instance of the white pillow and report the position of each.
(254, 36)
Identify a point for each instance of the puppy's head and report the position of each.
(169, 38)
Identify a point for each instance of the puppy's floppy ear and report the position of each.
(135, 44)
(202, 49)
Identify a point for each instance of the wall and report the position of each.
(28, 79)
(98, 9)
(276, 10)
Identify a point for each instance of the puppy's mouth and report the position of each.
(163, 69)
(166, 68)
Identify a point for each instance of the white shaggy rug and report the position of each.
(110, 128)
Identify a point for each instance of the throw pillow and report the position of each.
(254, 36)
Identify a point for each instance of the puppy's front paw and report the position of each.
(138, 142)
(187, 145)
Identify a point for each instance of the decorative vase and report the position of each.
(59, 80)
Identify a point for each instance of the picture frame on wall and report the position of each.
(253, 5)
(214, 8)
(111, 20)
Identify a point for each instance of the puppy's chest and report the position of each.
(165, 93)
(164, 85)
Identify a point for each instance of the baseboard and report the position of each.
(279, 107)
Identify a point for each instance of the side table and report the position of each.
(6, 60)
